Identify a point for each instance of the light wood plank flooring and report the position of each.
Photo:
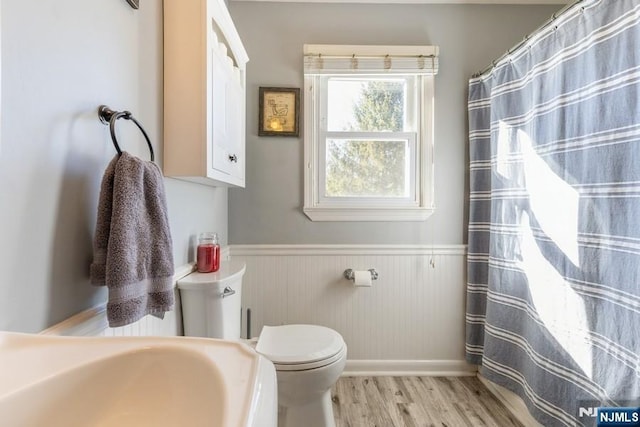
(417, 402)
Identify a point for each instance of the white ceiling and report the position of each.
(517, 2)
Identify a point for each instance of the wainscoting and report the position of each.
(93, 322)
(411, 321)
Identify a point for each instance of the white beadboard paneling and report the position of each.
(413, 312)
(170, 325)
(93, 322)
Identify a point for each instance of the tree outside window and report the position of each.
(371, 167)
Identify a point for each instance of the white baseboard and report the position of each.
(397, 368)
(512, 402)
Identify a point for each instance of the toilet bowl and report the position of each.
(308, 359)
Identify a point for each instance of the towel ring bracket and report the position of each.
(109, 117)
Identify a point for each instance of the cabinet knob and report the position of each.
(233, 158)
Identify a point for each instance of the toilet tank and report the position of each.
(211, 302)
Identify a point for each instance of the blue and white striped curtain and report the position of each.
(553, 295)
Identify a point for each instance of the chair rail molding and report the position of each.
(344, 249)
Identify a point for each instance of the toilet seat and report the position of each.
(312, 365)
(300, 347)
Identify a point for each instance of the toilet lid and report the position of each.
(295, 344)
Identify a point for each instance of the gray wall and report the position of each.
(60, 60)
(269, 210)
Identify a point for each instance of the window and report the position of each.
(369, 132)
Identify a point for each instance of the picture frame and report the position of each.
(279, 111)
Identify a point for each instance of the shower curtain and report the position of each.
(553, 293)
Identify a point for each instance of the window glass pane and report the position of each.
(366, 104)
(372, 168)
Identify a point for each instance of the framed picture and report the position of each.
(279, 111)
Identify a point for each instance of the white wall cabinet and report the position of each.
(204, 94)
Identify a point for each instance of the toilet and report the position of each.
(308, 358)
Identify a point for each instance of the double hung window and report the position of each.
(369, 132)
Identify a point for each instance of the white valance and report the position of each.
(341, 59)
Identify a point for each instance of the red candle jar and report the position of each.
(208, 255)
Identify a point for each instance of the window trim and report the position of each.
(314, 207)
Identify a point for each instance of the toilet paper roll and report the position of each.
(362, 278)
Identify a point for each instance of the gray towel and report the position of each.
(132, 249)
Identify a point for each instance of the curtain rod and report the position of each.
(541, 28)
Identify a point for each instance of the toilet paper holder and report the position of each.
(350, 274)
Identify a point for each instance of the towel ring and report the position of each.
(109, 117)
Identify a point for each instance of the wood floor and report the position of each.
(417, 401)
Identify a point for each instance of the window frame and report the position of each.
(319, 208)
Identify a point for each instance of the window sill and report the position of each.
(368, 214)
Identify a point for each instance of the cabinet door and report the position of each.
(221, 135)
(235, 124)
(226, 117)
